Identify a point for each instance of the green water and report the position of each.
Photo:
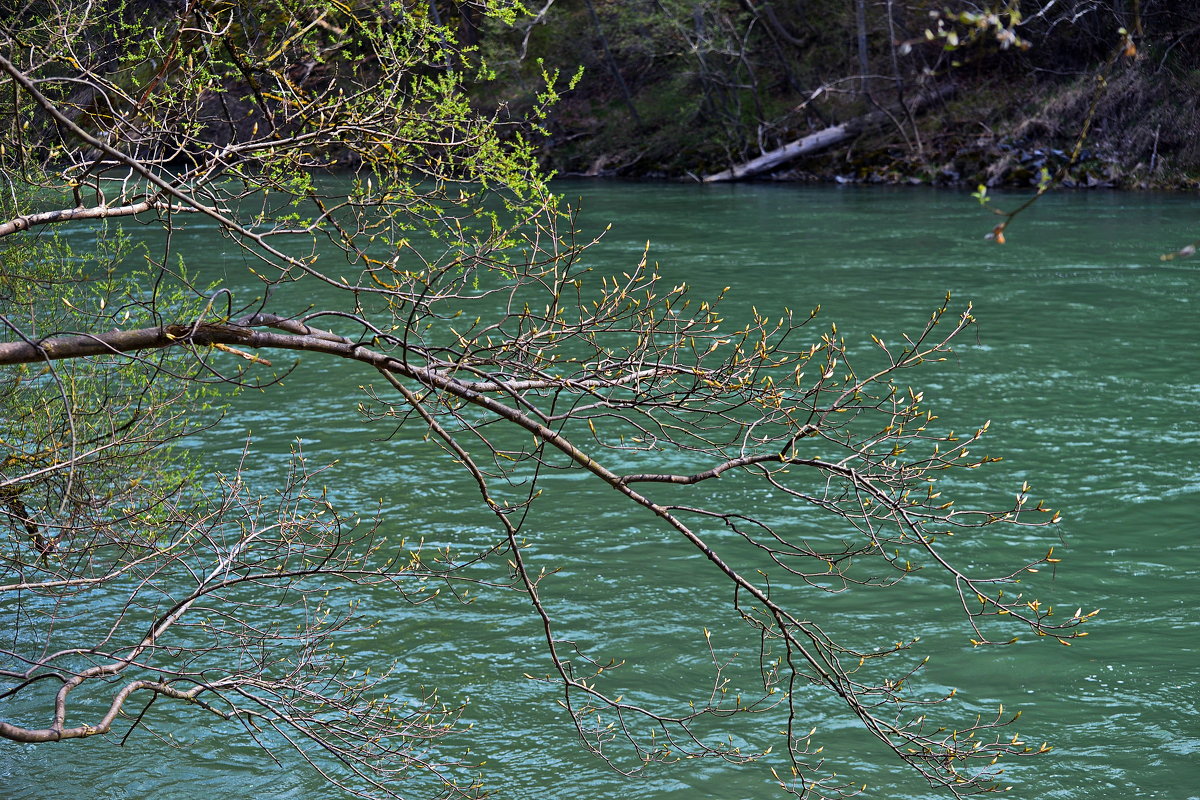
(1086, 362)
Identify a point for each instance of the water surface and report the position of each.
(1086, 361)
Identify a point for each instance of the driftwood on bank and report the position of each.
(822, 139)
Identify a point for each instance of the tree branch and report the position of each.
(27, 221)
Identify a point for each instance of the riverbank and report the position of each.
(1095, 100)
(1136, 131)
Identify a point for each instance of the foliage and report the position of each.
(80, 437)
(461, 291)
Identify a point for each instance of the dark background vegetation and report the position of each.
(678, 87)
(1096, 92)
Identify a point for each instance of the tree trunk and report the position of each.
(820, 140)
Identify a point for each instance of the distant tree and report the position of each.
(129, 574)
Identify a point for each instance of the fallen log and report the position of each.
(820, 140)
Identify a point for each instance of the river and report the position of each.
(1085, 359)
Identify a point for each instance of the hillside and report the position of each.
(673, 89)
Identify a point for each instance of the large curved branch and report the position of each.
(58, 731)
(810, 653)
